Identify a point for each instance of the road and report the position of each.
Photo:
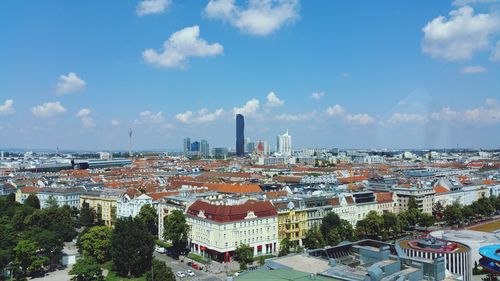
(177, 265)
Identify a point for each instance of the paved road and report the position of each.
(177, 265)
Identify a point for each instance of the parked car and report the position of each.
(160, 250)
(194, 265)
(189, 272)
(180, 274)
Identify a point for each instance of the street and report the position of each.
(177, 265)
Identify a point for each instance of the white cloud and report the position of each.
(148, 117)
(345, 75)
(48, 109)
(146, 7)
(85, 118)
(405, 117)
(260, 17)
(473, 69)
(180, 46)
(336, 110)
(202, 116)
(115, 122)
(7, 107)
(317, 95)
(295, 117)
(360, 119)
(473, 2)
(495, 54)
(273, 100)
(250, 108)
(461, 35)
(445, 114)
(70, 83)
(491, 102)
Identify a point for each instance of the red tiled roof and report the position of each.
(440, 189)
(230, 213)
(383, 197)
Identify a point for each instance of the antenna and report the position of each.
(130, 142)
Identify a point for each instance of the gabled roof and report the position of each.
(230, 213)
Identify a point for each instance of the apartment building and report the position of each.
(104, 202)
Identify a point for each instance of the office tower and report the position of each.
(195, 146)
(284, 144)
(204, 148)
(250, 147)
(187, 144)
(240, 135)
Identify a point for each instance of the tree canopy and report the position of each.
(96, 243)
(176, 230)
(243, 255)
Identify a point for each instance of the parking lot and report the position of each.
(177, 265)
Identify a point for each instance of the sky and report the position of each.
(348, 74)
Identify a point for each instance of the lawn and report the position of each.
(197, 258)
(487, 227)
(113, 277)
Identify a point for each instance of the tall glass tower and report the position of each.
(240, 135)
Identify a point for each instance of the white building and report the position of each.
(131, 206)
(217, 229)
(284, 144)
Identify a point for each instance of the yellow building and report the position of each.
(104, 203)
(292, 224)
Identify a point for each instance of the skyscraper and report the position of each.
(195, 146)
(284, 144)
(187, 144)
(204, 148)
(240, 135)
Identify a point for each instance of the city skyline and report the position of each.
(333, 74)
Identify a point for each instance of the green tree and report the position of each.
(314, 239)
(87, 215)
(468, 213)
(132, 247)
(32, 201)
(438, 210)
(453, 214)
(176, 230)
(391, 224)
(490, 277)
(86, 269)
(285, 247)
(331, 220)
(51, 202)
(49, 244)
(333, 237)
(160, 272)
(345, 230)
(243, 255)
(413, 204)
(262, 260)
(55, 219)
(96, 243)
(373, 224)
(426, 220)
(25, 255)
(149, 216)
(483, 207)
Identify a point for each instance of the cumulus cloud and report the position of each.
(491, 102)
(146, 7)
(259, 17)
(250, 109)
(202, 116)
(70, 83)
(473, 69)
(461, 35)
(336, 110)
(148, 117)
(473, 2)
(360, 119)
(406, 118)
(495, 55)
(317, 95)
(273, 100)
(7, 108)
(48, 109)
(180, 46)
(295, 117)
(115, 122)
(86, 118)
(445, 114)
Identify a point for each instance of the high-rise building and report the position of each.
(204, 148)
(195, 146)
(187, 144)
(240, 135)
(284, 144)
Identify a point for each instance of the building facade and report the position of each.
(284, 144)
(240, 135)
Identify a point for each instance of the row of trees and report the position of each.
(32, 239)
(457, 214)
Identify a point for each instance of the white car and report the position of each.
(160, 250)
(189, 272)
(181, 274)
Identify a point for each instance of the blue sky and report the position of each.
(349, 74)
